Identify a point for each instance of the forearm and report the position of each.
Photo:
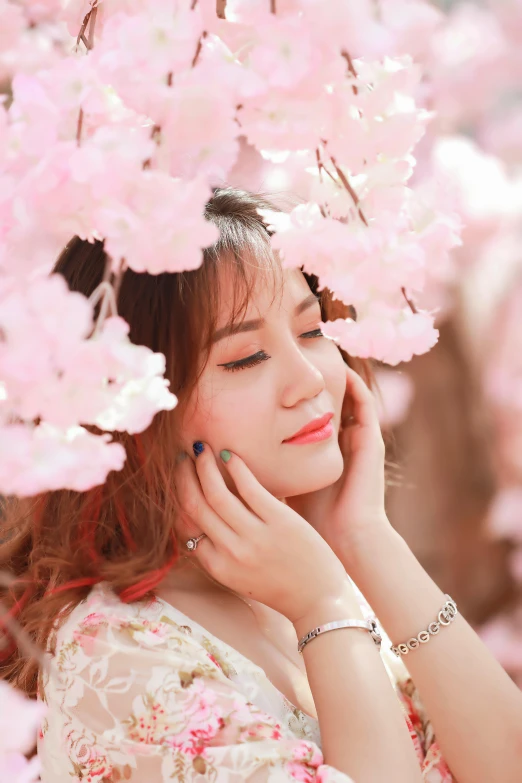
(475, 708)
(363, 730)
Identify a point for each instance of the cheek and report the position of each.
(227, 417)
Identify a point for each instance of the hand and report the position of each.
(348, 511)
(264, 549)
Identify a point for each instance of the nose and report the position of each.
(303, 380)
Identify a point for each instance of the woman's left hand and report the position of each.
(349, 511)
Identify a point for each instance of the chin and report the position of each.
(308, 473)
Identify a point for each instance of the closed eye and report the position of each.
(248, 361)
(262, 356)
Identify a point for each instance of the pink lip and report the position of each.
(315, 431)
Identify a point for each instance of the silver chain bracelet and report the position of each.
(446, 616)
(367, 625)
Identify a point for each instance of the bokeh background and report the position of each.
(455, 414)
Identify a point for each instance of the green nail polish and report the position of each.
(225, 455)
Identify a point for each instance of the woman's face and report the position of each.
(264, 380)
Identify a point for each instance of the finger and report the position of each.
(205, 552)
(347, 408)
(367, 434)
(186, 529)
(219, 497)
(363, 407)
(258, 498)
(194, 506)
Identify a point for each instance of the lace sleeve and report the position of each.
(141, 701)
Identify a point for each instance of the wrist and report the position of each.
(372, 548)
(367, 538)
(345, 606)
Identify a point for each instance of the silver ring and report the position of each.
(193, 542)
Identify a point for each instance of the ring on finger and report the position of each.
(193, 542)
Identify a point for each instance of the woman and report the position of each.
(173, 598)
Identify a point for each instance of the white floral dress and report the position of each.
(141, 693)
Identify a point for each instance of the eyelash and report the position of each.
(262, 356)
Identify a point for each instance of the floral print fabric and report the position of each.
(141, 693)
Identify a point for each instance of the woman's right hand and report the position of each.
(259, 548)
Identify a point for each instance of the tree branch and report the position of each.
(350, 190)
(411, 303)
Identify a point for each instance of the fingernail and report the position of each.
(225, 455)
(197, 448)
(181, 456)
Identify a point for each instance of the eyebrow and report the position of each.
(254, 325)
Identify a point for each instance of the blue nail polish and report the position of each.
(197, 448)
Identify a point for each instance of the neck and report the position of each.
(188, 575)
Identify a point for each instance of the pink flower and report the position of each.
(300, 772)
(15, 768)
(307, 759)
(391, 337)
(283, 51)
(161, 228)
(90, 757)
(34, 461)
(125, 143)
(199, 131)
(19, 721)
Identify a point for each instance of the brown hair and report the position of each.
(60, 543)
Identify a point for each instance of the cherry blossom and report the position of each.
(121, 138)
(175, 207)
(384, 334)
(20, 719)
(47, 458)
(65, 375)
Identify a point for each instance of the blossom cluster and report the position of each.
(20, 718)
(121, 135)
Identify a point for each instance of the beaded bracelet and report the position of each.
(446, 616)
